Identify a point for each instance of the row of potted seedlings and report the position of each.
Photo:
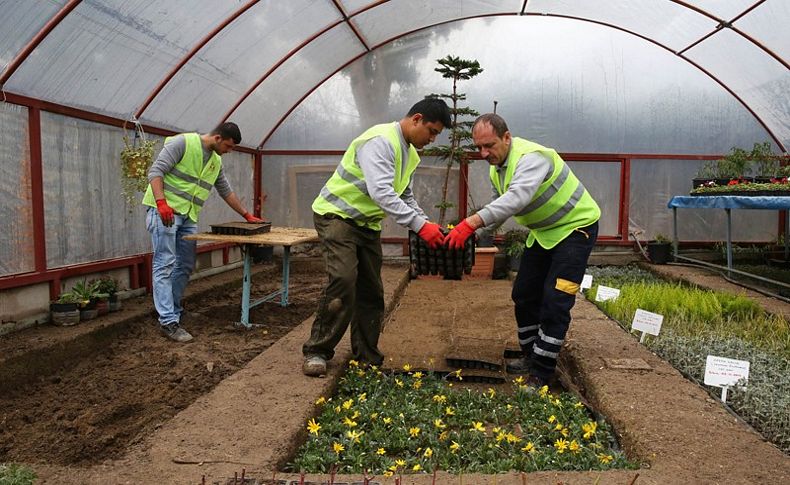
(752, 173)
(85, 301)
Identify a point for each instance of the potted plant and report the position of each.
(86, 292)
(107, 285)
(659, 249)
(515, 243)
(733, 166)
(65, 310)
(136, 159)
(765, 162)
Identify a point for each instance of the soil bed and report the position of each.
(123, 389)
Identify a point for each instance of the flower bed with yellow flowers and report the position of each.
(416, 422)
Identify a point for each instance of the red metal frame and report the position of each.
(37, 189)
(257, 177)
(351, 25)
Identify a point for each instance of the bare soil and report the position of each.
(249, 412)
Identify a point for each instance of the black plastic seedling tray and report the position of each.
(241, 228)
(452, 263)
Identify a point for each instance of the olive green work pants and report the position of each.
(354, 293)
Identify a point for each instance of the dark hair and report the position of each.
(432, 109)
(496, 122)
(228, 130)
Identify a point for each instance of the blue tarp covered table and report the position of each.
(279, 236)
(726, 202)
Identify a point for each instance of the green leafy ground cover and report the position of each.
(698, 323)
(13, 474)
(388, 424)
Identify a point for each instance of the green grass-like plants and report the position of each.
(13, 474)
(387, 424)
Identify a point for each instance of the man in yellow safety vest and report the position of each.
(536, 187)
(180, 181)
(373, 180)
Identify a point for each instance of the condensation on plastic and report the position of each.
(654, 182)
(262, 110)
(768, 25)
(107, 56)
(84, 211)
(725, 9)
(16, 211)
(352, 6)
(224, 70)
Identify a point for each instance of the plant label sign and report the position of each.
(724, 372)
(647, 322)
(605, 293)
(586, 282)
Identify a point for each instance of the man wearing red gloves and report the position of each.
(180, 181)
(536, 187)
(373, 180)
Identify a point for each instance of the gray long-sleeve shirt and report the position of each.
(530, 172)
(376, 159)
(173, 152)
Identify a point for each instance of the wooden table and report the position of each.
(279, 236)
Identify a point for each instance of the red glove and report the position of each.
(431, 234)
(165, 212)
(252, 218)
(459, 235)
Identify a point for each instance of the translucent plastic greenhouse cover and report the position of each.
(189, 64)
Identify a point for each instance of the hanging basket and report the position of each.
(136, 158)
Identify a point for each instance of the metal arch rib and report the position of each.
(351, 25)
(205, 40)
(37, 39)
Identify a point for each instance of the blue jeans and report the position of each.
(173, 262)
(544, 293)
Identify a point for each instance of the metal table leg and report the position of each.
(787, 234)
(245, 287)
(286, 275)
(674, 232)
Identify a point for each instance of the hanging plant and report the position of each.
(136, 159)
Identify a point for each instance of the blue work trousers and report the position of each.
(173, 262)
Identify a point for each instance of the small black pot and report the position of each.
(659, 252)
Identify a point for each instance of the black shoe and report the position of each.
(174, 332)
(518, 366)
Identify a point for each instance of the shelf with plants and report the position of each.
(700, 322)
(745, 173)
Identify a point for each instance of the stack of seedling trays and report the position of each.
(452, 263)
(241, 228)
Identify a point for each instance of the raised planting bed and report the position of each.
(416, 422)
(699, 322)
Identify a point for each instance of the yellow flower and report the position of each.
(417, 384)
(381, 451)
(398, 382)
(511, 438)
(400, 415)
(509, 407)
(313, 427)
(589, 429)
(558, 403)
(353, 363)
(413, 432)
(406, 367)
(428, 453)
(349, 422)
(361, 373)
(561, 445)
(500, 436)
(439, 424)
(491, 393)
(388, 473)
(558, 427)
(454, 447)
(374, 416)
(443, 435)
(355, 415)
(354, 435)
(418, 375)
(543, 391)
(519, 380)
(477, 426)
(564, 432)
(400, 463)
(337, 409)
(416, 467)
(337, 447)
(347, 404)
(552, 418)
(574, 446)
(363, 397)
(449, 411)
(387, 420)
(578, 405)
(458, 375)
(441, 399)
(321, 400)
(528, 448)
(605, 458)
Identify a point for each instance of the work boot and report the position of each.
(314, 366)
(174, 332)
(518, 366)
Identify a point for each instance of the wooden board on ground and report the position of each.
(278, 236)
